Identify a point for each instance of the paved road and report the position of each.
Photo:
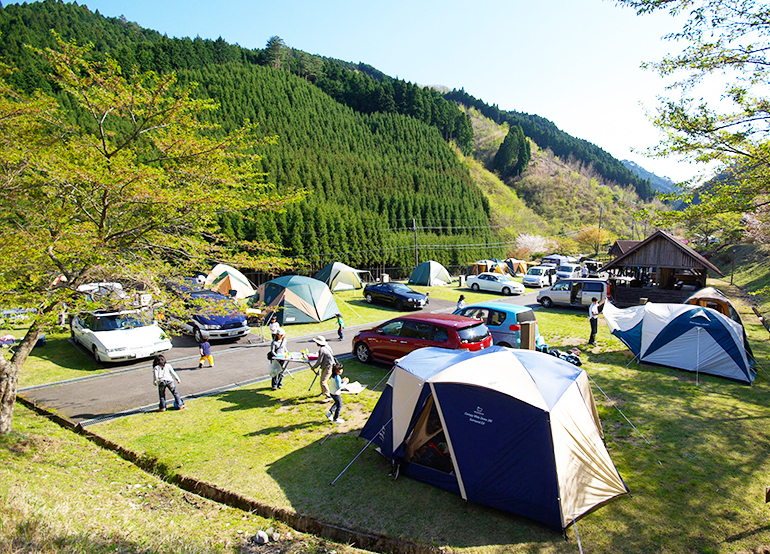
(128, 388)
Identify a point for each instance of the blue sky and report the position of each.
(573, 62)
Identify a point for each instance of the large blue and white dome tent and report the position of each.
(683, 336)
(516, 430)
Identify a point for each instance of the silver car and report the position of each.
(574, 292)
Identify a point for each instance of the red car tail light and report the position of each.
(516, 327)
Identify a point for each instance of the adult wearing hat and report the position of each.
(325, 361)
(278, 348)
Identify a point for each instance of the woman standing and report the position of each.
(278, 348)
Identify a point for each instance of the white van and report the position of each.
(575, 292)
(568, 271)
(539, 276)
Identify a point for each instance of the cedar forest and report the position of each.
(381, 158)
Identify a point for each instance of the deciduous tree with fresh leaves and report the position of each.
(727, 41)
(131, 193)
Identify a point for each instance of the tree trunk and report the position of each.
(9, 376)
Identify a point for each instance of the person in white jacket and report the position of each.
(163, 377)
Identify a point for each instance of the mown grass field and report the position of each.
(697, 478)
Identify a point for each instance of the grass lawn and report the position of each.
(698, 486)
(58, 360)
(61, 493)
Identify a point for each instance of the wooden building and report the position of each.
(660, 268)
(621, 247)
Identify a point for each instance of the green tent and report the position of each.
(430, 274)
(297, 299)
(339, 276)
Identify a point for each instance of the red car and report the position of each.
(398, 337)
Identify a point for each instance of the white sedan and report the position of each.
(495, 282)
(119, 336)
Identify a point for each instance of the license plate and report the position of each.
(232, 333)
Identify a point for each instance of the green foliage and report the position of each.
(728, 39)
(513, 155)
(374, 169)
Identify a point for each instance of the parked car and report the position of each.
(397, 294)
(495, 282)
(539, 276)
(575, 292)
(503, 321)
(568, 271)
(213, 314)
(119, 336)
(398, 337)
(594, 268)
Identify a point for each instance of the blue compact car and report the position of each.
(503, 321)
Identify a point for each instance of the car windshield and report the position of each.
(398, 287)
(535, 271)
(567, 268)
(114, 322)
(476, 333)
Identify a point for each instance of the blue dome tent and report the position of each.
(683, 336)
(510, 429)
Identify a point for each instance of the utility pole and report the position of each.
(416, 255)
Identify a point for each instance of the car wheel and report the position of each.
(95, 352)
(506, 291)
(197, 335)
(399, 305)
(546, 302)
(505, 344)
(369, 298)
(475, 287)
(363, 353)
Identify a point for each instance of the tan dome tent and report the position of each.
(339, 276)
(224, 279)
(494, 266)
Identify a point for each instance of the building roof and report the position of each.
(661, 249)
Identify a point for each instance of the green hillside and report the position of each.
(383, 160)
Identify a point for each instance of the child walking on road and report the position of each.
(163, 377)
(337, 385)
(205, 349)
(340, 325)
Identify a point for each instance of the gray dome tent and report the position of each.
(430, 274)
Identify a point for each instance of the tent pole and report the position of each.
(382, 429)
(632, 360)
(697, 360)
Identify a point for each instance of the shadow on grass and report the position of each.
(366, 498)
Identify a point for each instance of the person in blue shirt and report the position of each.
(337, 385)
(340, 326)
